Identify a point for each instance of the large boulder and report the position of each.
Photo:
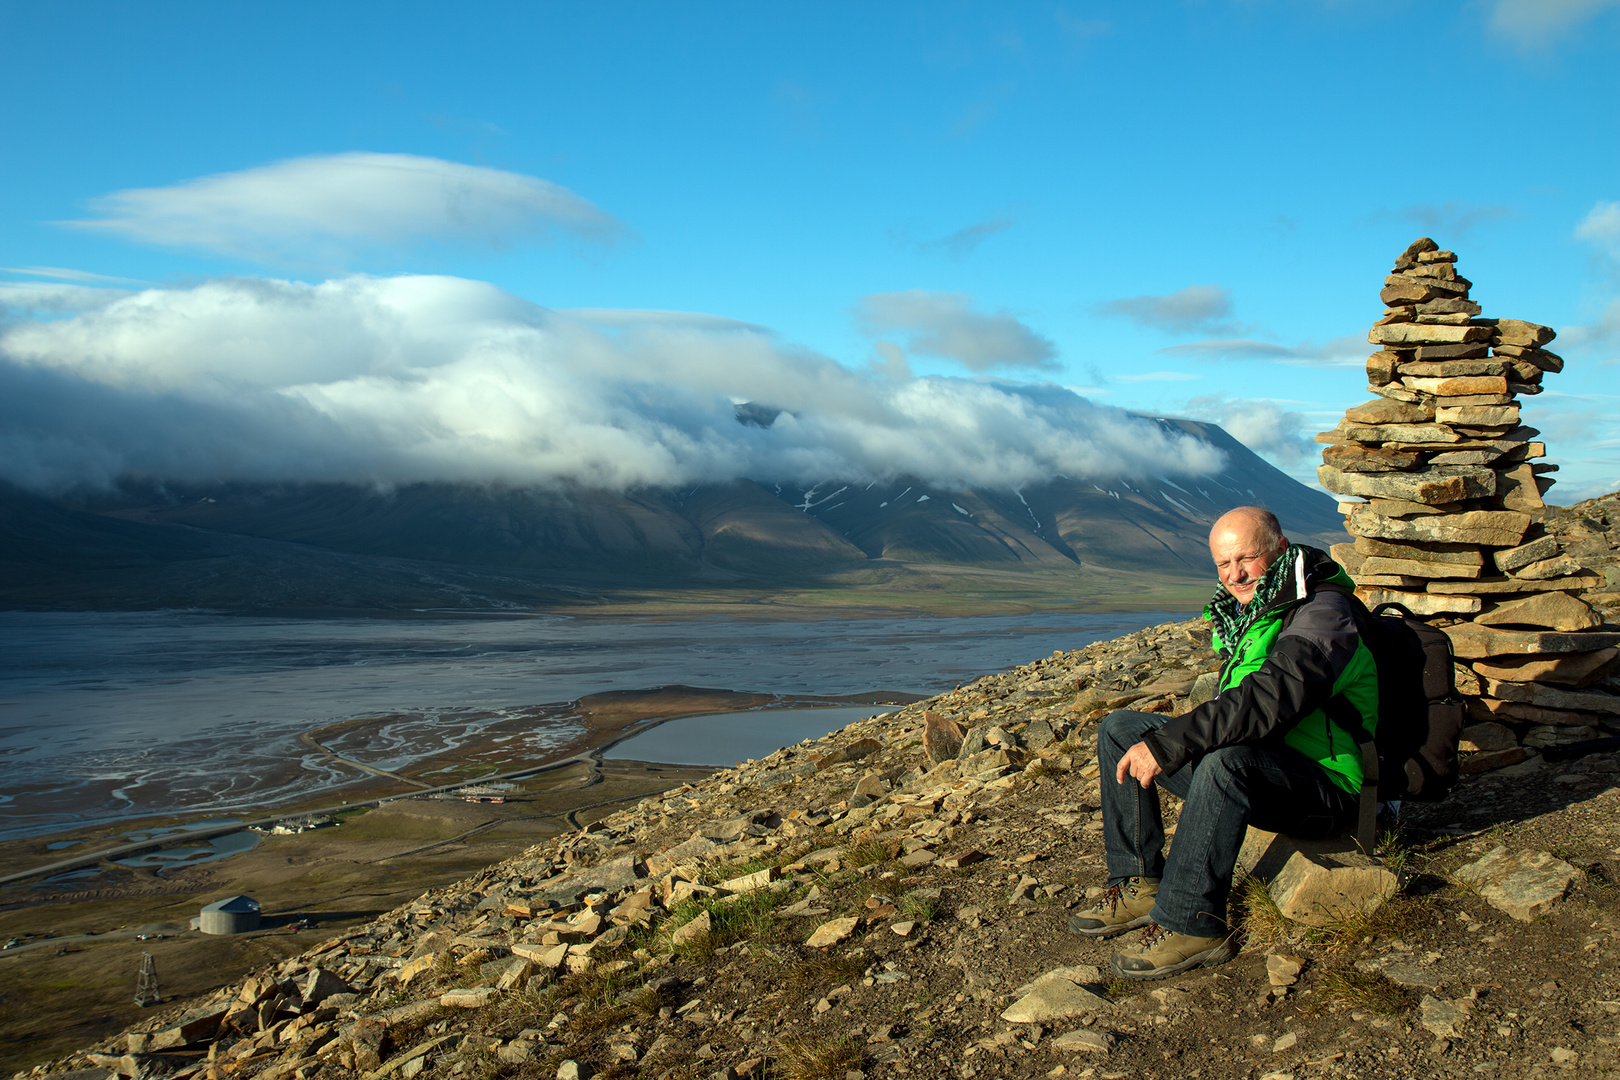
(1317, 882)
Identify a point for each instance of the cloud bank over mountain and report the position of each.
(390, 381)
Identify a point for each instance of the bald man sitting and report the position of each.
(1262, 752)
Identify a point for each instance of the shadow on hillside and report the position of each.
(1507, 798)
(317, 918)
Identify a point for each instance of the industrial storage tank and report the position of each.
(232, 915)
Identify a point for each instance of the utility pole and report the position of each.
(146, 986)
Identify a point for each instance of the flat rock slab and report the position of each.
(1095, 1042)
(1056, 995)
(942, 738)
(1487, 736)
(1571, 669)
(1420, 603)
(832, 932)
(693, 931)
(474, 998)
(1522, 884)
(1443, 1019)
(1414, 976)
(1316, 882)
(1551, 610)
(1492, 528)
(1471, 641)
(1551, 697)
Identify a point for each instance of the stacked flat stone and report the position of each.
(1443, 495)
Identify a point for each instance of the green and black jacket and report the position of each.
(1276, 679)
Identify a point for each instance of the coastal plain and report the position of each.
(71, 977)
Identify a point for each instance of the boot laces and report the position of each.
(1110, 900)
(1152, 934)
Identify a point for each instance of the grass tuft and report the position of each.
(1397, 852)
(824, 971)
(1366, 990)
(867, 854)
(1256, 917)
(1398, 916)
(1118, 989)
(919, 908)
(1039, 768)
(818, 1059)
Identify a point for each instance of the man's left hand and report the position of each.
(1140, 763)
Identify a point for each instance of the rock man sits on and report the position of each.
(1261, 752)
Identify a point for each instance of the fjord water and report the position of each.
(114, 715)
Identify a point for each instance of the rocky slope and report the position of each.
(883, 902)
(1589, 532)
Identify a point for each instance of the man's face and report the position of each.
(1241, 559)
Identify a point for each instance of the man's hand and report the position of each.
(1140, 763)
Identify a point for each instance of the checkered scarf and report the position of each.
(1232, 619)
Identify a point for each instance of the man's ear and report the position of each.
(1282, 543)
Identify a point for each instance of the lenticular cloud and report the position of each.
(408, 379)
(328, 206)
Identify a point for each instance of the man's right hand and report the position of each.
(1139, 763)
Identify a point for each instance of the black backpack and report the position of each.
(1413, 755)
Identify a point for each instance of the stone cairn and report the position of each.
(1443, 497)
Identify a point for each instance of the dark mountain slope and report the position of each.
(529, 540)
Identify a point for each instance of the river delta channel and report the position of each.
(114, 716)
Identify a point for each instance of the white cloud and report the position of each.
(1347, 351)
(36, 298)
(1568, 494)
(1262, 425)
(1599, 339)
(1602, 226)
(326, 209)
(65, 274)
(944, 325)
(1533, 23)
(396, 380)
(1204, 308)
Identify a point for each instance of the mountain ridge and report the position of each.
(836, 534)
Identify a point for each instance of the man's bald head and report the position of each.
(1254, 523)
(1244, 543)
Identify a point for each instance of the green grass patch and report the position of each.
(751, 916)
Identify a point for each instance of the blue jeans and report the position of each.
(1270, 786)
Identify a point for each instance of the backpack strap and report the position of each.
(1347, 716)
(1341, 712)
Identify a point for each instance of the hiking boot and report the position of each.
(1120, 908)
(1164, 952)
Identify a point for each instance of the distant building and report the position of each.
(232, 915)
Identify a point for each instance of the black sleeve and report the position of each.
(1297, 678)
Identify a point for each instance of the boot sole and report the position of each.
(1220, 954)
(1109, 931)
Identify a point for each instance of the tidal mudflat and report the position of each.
(121, 717)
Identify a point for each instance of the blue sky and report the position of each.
(409, 241)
